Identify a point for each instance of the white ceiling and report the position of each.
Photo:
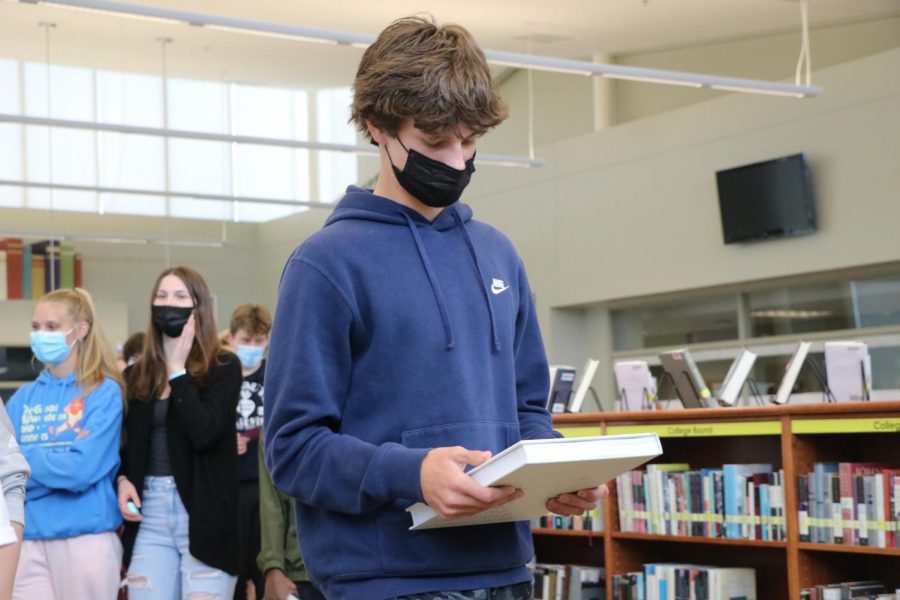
(576, 29)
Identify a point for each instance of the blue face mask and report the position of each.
(50, 347)
(250, 356)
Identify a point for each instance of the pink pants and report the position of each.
(76, 568)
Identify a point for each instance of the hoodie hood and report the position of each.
(363, 205)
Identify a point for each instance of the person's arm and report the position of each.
(273, 521)
(92, 455)
(207, 413)
(307, 379)
(9, 559)
(14, 470)
(532, 371)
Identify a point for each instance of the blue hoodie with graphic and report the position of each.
(394, 335)
(71, 442)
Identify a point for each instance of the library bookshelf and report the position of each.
(789, 437)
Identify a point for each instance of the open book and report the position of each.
(547, 468)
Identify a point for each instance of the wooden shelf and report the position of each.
(791, 437)
(567, 532)
(690, 539)
(848, 549)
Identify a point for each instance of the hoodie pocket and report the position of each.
(493, 436)
(480, 548)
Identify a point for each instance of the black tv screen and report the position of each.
(766, 200)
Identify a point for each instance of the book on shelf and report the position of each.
(854, 504)
(66, 266)
(584, 385)
(567, 582)
(685, 374)
(544, 469)
(791, 372)
(635, 384)
(13, 248)
(848, 368)
(736, 501)
(3, 282)
(736, 377)
(591, 520)
(676, 581)
(870, 589)
(562, 380)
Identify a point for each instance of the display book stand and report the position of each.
(790, 437)
(648, 402)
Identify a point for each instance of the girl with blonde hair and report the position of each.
(68, 423)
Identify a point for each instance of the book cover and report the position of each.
(67, 266)
(14, 267)
(847, 471)
(79, 271)
(3, 284)
(734, 490)
(562, 380)
(38, 264)
(546, 468)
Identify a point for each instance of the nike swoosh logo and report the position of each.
(500, 290)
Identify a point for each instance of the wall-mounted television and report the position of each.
(768, 199)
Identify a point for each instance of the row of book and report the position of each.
(591, 521)
(737, 501)
(861, 590)
(663, 581)
(855, 504)
(568, 582)
(28, 271)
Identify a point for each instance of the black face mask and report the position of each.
(171, 319)
(430, 181)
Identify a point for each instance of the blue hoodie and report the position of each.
(394, 335)
(72, 444)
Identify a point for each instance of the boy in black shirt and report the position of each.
(248, 337)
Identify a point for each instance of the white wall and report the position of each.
(633, 211)
(771, 57)
(125, 273)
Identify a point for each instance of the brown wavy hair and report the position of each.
(436, 76)
(255, 319)
(96, 360)
(149, 377)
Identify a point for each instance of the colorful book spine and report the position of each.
(66, 266)
(26, 272)
(14, 267)
(79, 273)
(38, 264)
(3, 284)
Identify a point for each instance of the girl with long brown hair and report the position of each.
(68, 423)
(178, 488)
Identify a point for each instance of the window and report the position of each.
(138, 162)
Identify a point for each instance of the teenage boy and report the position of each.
(248, 337)
(406, 347)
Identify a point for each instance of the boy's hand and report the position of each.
(575, 503)
(453, 494)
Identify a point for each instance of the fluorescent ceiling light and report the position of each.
(115, 239)
(163, 194)
(789, 314)
(512, 59)
(362, 149)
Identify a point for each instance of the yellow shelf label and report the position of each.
(871, 425)
(576, 432)
(718, 429)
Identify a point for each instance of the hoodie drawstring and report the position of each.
(438, 295)
(487, 299)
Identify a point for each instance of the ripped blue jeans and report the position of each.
(161, 566)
